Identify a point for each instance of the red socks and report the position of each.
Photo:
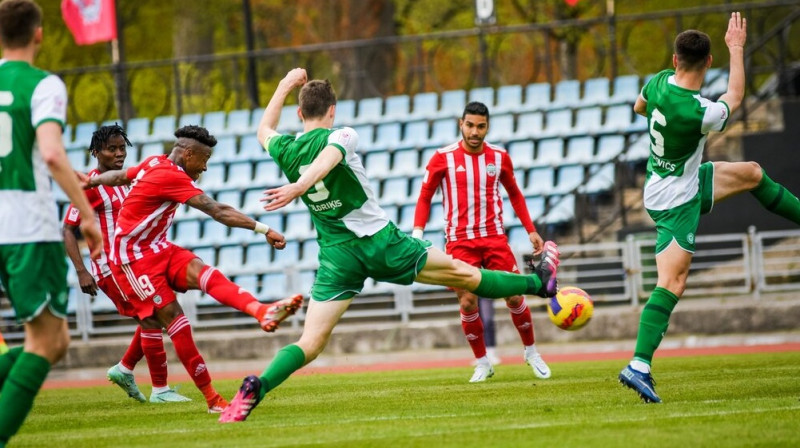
(134, 354)
(224, 291)
(181, 334)
(153, 349)
(521, 316)
(473, 330)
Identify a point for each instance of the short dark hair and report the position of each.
(198, 133)
(692, 48)
(476, 108)
(19, 19)
(316, 97)
(100, 137)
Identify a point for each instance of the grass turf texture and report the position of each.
(741, 400)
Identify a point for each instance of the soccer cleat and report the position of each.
(168, 396)
(243, 403)
(217, 405)
(642, 383)
(547, 269)
(540, 368)
(126, 382)
(482, 373)
(278, 312)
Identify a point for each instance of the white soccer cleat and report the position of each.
(540, 368)
(483, 371)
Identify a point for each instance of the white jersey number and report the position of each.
(658, 138)
(322, 191)
(6, 98)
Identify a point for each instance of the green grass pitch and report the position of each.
(731, 401)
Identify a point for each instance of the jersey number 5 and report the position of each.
(322, 191)
(658, 138)
(6, 98)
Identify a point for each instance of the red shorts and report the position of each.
(490, 253)
(109, 286)
(150, 283)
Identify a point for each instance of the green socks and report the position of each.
(7, 361)
(777, 199)
(288, 360)
(653, 323)
(21, 386)
(498, 284)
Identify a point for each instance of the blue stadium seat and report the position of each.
(378, 164)
(214, 233)
(215, 123)
(518, 239)
(225, 150)
(387, 136)
(78, 159)
(638, 149)
(345, 113)
(289, 122)
(248, 282)
(391, 211)
(716, 83)
(151, 149)
(537, 96)
(444, 131)
(426, 156)
(521, 153)
(535, 205)
(370, 110)
(250, 148)
(416, 133)
(257, 257)
(304, 281)
(639, 124)
(569, 178)
(366, 133)
(273, 286)
(618, 118)
(595, 92)
(251, 201)
(609, 147)
(626, 89)
(589, 120)
(509, 99)
(240, 174)
(541, 181)
(436, 237)
(567, 93)
(239, 122)
(562, 209)
(550, 152)
(558, 123)
(529, 125)
(190, 119)
(426, 105)
(187, 233)
(83, 135)
(580, 150)
(483, 95)
(405, 162)
(298, 226)
(230, 197)
(163, 128)
(207, 254)
(501, 128)
(436, 219)
(267, 173)
(231, 260)
(138, 129)
(66, 135)
(309, 254)
(398, 107)
(213, 178)
(395, 191)
(601, 178)
(405, 220)
(287, 257)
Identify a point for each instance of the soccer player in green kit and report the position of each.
(33, 269)
(679, 188)
(356, 238)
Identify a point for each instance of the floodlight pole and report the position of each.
(249, 38)
(484, 15)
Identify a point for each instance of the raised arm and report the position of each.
(272, 114)
(51, 146)
(735, 38)
(112, 178)
(276, 198)
(225, 214)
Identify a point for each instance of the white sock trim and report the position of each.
(124, 369)
(640, 366)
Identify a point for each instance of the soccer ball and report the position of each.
(571, 308)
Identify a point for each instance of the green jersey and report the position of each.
(28, 98)
(342, 205)
(679, 120)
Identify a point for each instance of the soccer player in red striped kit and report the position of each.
(469, 173)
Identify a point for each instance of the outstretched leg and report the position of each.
(732, 178)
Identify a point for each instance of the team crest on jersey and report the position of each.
(157, 300)
(491, 169)
(73, 214)
(690, 238)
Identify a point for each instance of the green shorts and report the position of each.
(34, 276)
(387, 256)
(680, 223)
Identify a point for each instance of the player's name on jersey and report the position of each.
(330, 205)
(663, 163)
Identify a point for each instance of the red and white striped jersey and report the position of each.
(158, 187)
(473, 207)
(106, 202)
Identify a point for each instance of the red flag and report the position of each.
(90, 21)
(571, 3)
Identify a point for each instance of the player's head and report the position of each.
(20, 24)
(474, 124)
(110, 146)
(193, 149)
(317, 99)
(692, 51)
